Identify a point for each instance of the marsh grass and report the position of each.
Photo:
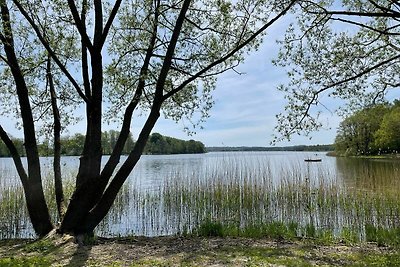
(234, 198)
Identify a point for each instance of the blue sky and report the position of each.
(245, 106)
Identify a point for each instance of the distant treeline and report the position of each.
(158, 144)
(73, 145)
(315, 148)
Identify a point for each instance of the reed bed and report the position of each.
(236, 199)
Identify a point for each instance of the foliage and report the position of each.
(25, 261)
(210, 228)
(41, 246)
(343, 50)
(370, 131)
(158, 144)
(388, 135)
(73, 145)
(356, 134)
(113, 60)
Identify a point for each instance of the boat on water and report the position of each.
(312, 160)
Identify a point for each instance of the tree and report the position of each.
(154, 56)
(387, 138)
(357, 133)
(158, 144)
(338, 49)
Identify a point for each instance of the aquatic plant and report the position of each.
(233, 198)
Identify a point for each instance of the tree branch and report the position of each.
(110, 22)
(98, 25)
(124, 134)
(362, 25)
(15, 156)
(57, 143)
(85, 68)
(50, 51)
(79, 25)
(171, 50)
(359, 14)
(316, 94)
(230, 54)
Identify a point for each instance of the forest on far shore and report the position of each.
(370, 131)
(73, 145)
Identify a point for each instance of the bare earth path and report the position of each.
(175, 251)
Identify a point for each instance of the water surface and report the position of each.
(153, 199)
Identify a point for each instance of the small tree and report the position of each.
(149, 55)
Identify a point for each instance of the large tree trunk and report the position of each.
(101, 209)
(98, 213)
(86, 192)
(34, 194)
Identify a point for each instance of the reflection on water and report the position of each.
(169, 194)
(369, 174)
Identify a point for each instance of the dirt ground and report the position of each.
(175, 251)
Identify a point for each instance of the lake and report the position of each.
(170, 194)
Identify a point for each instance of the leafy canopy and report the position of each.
(347, 50)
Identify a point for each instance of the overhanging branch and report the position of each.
(230, 54)
(50, 51)
(354, 77)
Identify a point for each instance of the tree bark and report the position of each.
(97, 214)
(57, 144)
(84, 196)
(36, 203)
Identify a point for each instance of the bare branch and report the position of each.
(363, 25)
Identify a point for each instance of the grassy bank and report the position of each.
(194, 251)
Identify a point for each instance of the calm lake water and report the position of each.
(144, 206)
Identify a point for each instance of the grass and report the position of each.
(197, 251)
(24, 261)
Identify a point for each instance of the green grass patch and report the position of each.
(24, 262)
(40, 246)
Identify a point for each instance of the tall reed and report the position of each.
(245, 198)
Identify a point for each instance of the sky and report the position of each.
(245, 106)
